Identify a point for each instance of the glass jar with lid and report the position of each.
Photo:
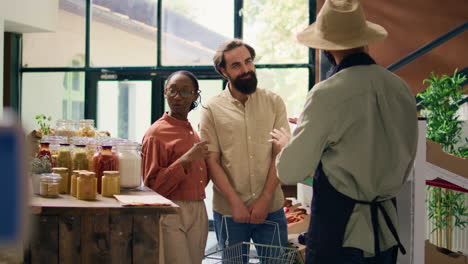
(73, 182)
(129, 164)
(91, 150)
(80, 159)
(49, 187)
(110, 183)
(86, 186)
(54, 146)
(104, 160)
(64, 157)
(86, 128)
(65, 128)
(44, 151)
(64, 186)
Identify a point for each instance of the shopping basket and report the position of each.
(240, 253)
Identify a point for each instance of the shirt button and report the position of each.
(253, 194)
(250, 137)
(251, 156)
(201, 169)
(191, 133)
(201, 182)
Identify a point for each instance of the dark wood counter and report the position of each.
(67, 230)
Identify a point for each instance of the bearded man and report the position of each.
(237, 124)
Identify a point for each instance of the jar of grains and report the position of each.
(64, 186)
(110, 183)
(49, 187)
(80, 159)
(86, 186)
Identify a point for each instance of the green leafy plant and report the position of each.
(440, 107)
(440, 102)
(40, 165)
(44, 123)
(444, 206)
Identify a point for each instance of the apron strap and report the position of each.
(375, 207)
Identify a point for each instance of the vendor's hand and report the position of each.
(199, 151)
(259, 210)
(279, 138)
(240, 213)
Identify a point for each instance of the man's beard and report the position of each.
(246, 86)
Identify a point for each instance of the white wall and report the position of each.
(24, 16)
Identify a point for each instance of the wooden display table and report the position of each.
(67, 230)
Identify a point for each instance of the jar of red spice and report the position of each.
(44, 151)
(104, 160)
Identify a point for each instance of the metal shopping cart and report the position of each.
(241, 253)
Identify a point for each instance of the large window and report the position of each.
(192, 30)
(87, 67)
(123, 33)
(50, 93)
(270, 26)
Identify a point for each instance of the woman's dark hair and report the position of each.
(192, 78)
(218, 59)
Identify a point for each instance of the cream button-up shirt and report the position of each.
(361, 124)
(240, 134)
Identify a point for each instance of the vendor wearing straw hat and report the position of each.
(358, 131)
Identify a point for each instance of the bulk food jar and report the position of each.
(104, 160)
(86, 128)
(86, 186)
(54, 146)
(129, 165)
(44, 151)
(74, 182)
(64, 186)
(91, 150)
(64, 157)
(80, 159)
(110, 183)
(49, 187)
(65, 128)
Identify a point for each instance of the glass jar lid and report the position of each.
(111, 173)
(51, 177)
(59, 169)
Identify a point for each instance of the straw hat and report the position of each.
(340, 25)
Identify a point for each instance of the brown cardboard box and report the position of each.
(293, 242)
(454, 164)
(299, 227)
(436, 255)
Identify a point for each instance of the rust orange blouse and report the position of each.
(165, 142)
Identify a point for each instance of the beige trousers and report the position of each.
(185, 233)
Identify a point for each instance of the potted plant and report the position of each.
(440, 102)
(44, 124)
(39, 166)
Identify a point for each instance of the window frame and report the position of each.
(158, 73)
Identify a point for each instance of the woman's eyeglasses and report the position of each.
(183, 93)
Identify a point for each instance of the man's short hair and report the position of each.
(218, 58)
